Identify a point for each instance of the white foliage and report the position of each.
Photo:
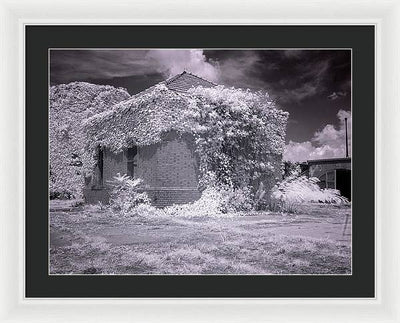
(70, 104)
(126, 195)
(294, 191)
(215, 201)
(239, 134)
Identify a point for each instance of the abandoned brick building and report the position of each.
(168, 164)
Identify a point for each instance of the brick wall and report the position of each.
(171, 163)
(169, 169)
(169, 196)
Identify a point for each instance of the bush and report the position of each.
(60, 195)
(290, 193)
(126, 196)
(147, 210)
(230, 198)
(236, 199)
(217, 200)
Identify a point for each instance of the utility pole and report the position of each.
(347, 145)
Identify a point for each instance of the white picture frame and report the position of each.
(385, 15)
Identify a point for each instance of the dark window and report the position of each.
(131, 161)
(99, 169)
(101, 163)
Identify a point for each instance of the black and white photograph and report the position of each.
(200, 161)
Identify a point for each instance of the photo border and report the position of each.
(386, 17)
(226, 49)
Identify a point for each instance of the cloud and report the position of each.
(303, 151)
(311, 81)
(74, 65)
(336, 95)
(281, 73)
(290, 76)
(326, 143)
(299, 94)
(293, 53)
(172, 62)
(298, 151)
(238, 68)
(335, 136)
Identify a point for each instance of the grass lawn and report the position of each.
(86, 240)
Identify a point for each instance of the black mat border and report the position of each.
(40, 38)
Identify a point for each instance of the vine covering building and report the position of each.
(146, 137)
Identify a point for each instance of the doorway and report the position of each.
(343, 182)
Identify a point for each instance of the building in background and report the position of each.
(332, 173)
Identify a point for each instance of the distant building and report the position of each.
(332, 173)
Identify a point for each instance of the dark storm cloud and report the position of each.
(289, 75)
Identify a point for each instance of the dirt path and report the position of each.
(321, 224)
(332, 228)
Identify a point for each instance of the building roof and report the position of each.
(330, 160)
(181, 83)
(184, 81)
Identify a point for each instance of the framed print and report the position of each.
(240, 167)
(196, 173)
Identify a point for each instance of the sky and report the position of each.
(314, 86)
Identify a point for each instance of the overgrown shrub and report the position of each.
(60, 194)
(217, 200)
(126, 195)
(147, 210)
(69, 105)
(208, 205)
(240, 134)
(289, 194)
